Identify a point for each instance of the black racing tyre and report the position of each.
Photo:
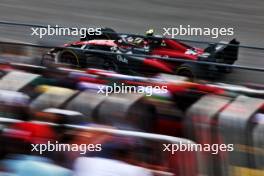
(68, 57)
(186, 70)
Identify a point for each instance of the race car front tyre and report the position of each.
(68, 57)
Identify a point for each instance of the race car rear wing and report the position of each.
(222, 52)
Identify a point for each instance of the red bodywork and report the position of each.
(177, 49)
(169, 48)
(110, 43)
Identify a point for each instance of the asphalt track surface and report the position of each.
(135, 16)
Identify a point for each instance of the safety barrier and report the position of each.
(213, 119)
(201, 126)
(236, 126)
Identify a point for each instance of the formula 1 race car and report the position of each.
(132, 54)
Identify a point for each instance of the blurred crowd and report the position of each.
(62, 106)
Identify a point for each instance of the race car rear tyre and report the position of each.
(185, 70)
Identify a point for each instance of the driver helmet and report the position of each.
(150, 32)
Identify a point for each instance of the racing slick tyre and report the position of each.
(70, 57)
(186, 70)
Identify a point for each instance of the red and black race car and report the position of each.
(132, 54)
